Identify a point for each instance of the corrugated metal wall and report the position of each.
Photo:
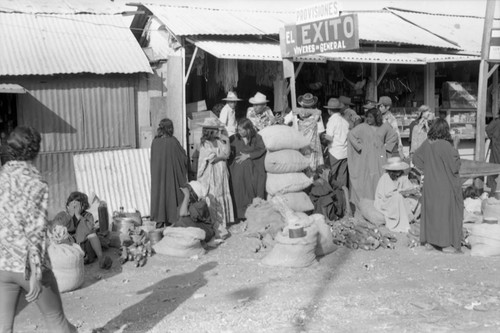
(120, 177)
(58, 171)
(77, 113)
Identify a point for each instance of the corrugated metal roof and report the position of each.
(374, 26)
(184, 21)
(11, 88)
(385, 27)
(241, 49)
(465, 30)
(394, 58)
(119, 177)
(68, 44)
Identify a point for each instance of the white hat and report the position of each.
(395, 164)
(198, 188)
(231, 97)
(259, 98)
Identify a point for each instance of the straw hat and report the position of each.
(345, 100)
(259, 98)
(370, 105)
(307, 100)
(210, 122)
(232, 97)
(334, 103)
(198, 188)
(384, 100)
(395, 164)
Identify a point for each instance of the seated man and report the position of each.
(81, 227)
(194, 211)
(395, 196)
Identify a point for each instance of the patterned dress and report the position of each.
(23, 219)
(215, 178)
(261, 121)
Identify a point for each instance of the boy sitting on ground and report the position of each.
(81, 226)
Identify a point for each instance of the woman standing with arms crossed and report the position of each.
(248, 174)
(214, 176)
(442, 201)
(24, 262)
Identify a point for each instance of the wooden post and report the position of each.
(289, 72)
(430, 85)
(483, 82)
(374, 79)
(494, 101)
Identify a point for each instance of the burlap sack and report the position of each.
(296, 201)
(287, 182)
(325, 238)
(484, 240)
(67, 265)
(262, 216)
(491, 208)
(285, 161)
(293, 252)
(279, 137)
(181, 242)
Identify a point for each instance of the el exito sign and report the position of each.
(328, 32)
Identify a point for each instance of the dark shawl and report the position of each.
(442, 201)
(168, 175)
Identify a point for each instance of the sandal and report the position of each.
(451, 250)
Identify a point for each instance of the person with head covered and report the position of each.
(193, 211)
(393, 196)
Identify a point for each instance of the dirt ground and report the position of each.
(229, 290)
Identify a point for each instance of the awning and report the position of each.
(11, 88)
(270, 50)
(241, 49)
(396, 58)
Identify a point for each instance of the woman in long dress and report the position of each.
(442, 200)
(214, 176)
(168, 174)
(368, 146)
(248, 174)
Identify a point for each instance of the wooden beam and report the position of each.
(386, 67)
(492, 70)
(430, 85)
(297, 71)
(483, 82)
(190, 64)
(494, 100)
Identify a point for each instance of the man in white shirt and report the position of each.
(336, 133)
(228, 113)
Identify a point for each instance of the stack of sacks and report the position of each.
(284, 164)
(302, 251)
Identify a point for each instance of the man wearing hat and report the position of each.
(394, 196)
(259, 113)
(228, 113)
(349, 114)
(384, 105)
(336, 133)
(307, 120)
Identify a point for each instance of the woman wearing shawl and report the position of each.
(442, 200)
(214, 175)
(369, 146)
(168, 174)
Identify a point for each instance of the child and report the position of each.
(80, 225)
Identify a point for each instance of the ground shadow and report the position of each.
(164, 297)
(305, 315)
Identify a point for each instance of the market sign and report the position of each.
(319, 11)
(494, 45)
(325, 35)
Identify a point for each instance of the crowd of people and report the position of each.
(362, 152)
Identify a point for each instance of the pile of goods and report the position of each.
(356, 234)
(484, 239)
(284, 164)
(181, 242)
